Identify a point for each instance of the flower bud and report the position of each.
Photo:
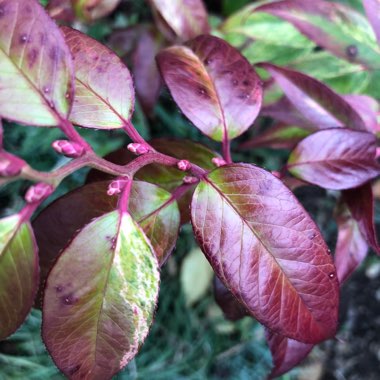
(190, 180)
(38, 192)
(116, 187)
(10, 165)
(218, 162)
(138, 148)
(68, 148)
(184, 165)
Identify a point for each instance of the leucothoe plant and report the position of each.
(91, 260)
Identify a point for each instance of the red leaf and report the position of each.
(213, 84)
(335, 159)
(351, 247)
(104, 95)
(183, 19)
(314, 100)
(335, 27)
(372, 9)
(361, 205)
(286, 353)
(267, 250)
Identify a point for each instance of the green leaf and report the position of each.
(18, 273)
(100, 298)
(36, 84)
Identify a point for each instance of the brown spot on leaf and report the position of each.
(59, 288)
(24, 38)
(69, 299)
(246, 83)
(352, 51)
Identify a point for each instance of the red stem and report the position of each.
(68, 129)
(226, 150)
(131, 131)
(124, 197)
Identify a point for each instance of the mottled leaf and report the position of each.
(361, 205)
(104, 95)
(18, 273)
(165, 177)
(286, 353)
(314, 100)
(335, 27)
(183, 19)
(335, 158)
(36, 84)
(351, 247)
(151, 206)
(231, 307)
(213, 84)
(277, 137)
(100, 298)
(267, 250)
(90, 10)
(372, 9)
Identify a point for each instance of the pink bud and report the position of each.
(184, 165)
(138, 148)
(218, 162)
(116, 187)
(10, 165)
(190, 180)
(38, 192)
(68, 148)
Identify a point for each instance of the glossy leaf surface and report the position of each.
(36, 70)
(183, 19)
(18, 273)
(267, 251)
(213, 84)
(151, 206)
(90, 10)
(104, 95)
(112, 300)
(317, 102)
(361, 205)
(286, 353)
(351, 247)
(335, 27)
(335, 159)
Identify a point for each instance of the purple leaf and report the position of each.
(267, 250)
(100, 298)
(231, 307)
(104, 95)
(90, 10)
(183, 19)
(286, 353)
(361, 205)
(18, 273)
(213, 84)
(351, 247)
(372, 9)
(314, 100)
(335, 27)
(36, 71)
(335, 159)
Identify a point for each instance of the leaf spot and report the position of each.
(32, 57)
(58, 288)
(46, 89)
(69, 299)
(24, 38)
(235, 82)
(246, 83)
(332, 275)
(311, 235)
(352, 51)
(208, 61)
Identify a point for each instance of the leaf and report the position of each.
(100, 298)
(261, 37)
(61, 10)
(196, 276)
(213, 84)
(18, 273)
(286, 353)
(334, 27)
(267, 251)
(165, 177)
(184, 19)
(231, 307)
(104, 96)
(36, 72)
(317, 102)
(90, 10)
(335, 158)
(277, 137)
(372, 10)
(151, 206)
(351, 247)
(361, 205)
(138, 45)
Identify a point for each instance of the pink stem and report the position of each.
(68, 129)
(226, 150)
(124, 197)
(131, 131)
